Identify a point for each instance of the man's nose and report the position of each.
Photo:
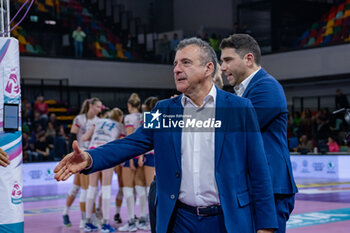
(223, 66)
(177, 69)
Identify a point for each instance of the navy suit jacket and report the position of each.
(239, 162)
(269, 101)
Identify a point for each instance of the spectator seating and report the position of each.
(27, 44)
(101, 41)
(332, 28)
(64, 115)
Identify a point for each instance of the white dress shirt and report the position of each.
(244, 84)
(198, 184)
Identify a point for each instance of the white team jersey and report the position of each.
(84, 126)
(106, 130)
(133, 120)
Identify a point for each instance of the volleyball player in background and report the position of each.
(81, 124)
(146, 162)
(148, 159)
(133, 176)
(105, 130)
(119, 196)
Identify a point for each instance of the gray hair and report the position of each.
(208, 54)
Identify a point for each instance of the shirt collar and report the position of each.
(210, 96)
(244, 84)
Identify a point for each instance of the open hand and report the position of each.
(72, 163)
(4, 158)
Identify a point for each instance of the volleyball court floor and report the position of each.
(322, 206)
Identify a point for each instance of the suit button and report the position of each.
(172, 196)
(177, 174)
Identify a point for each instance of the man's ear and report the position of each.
(209, 69)
(250, 60)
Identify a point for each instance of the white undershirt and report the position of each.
(244, 84)
(198, 184)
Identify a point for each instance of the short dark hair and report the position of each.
(208, 54)
(243, 44)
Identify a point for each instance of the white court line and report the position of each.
(323, 191)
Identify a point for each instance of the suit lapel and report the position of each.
(220, 132)
(176, 132)
(252, 82)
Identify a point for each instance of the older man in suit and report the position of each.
(209, 179)
(240, 56)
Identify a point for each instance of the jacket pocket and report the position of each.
(243, 199)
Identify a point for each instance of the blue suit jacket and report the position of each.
(239, 161)
(269, 101)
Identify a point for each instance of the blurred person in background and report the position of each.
(332, 145)
(305, 145)
(218, 77)
(42, 108)
(147, 162)
(42, 147)
(78, 36)
(81, 124)
(133, 175)
(60, 146)
(341, 100)
(107, 129)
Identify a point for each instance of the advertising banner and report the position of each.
(41, 174)
(315, 166)
(11, 211)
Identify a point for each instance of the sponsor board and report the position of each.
(315, 166)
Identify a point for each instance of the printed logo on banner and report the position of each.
(11, 86)
(318, 167)
(331, 168)
(49, 174)
(16, 194)
(35, 174)
(305, 167)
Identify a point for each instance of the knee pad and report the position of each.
(120, 194)
(83, 194)
(128, 192)
(92, 192)
(96, 192)
(106, 192)
(73, 192)
(140, 190)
